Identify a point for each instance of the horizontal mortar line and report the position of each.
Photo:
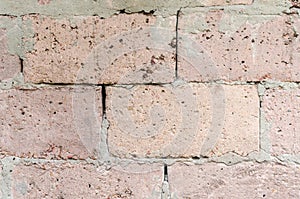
(37, 160)
(154, 10)
(114, 160)
(244, 82)
(139, 12)
(218, 82)
(61, 16)
(8, 15)
(90, 84)
(98, 14)
(163, 161)
(238, 14)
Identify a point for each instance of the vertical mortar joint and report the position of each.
(165, 192)
(103, 93)
(176, 53)
(22, 65)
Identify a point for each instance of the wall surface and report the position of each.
(149, 99)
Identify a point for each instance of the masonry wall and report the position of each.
(149, 99)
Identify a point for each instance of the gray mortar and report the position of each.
(106, 8)
(13, 34)
(8, 164)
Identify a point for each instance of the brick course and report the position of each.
(149, 99)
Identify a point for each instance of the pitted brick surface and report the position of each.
(183, 121)
(222, 46)
(281, 109)
(245, 180)
(86, 181)
(52, 123)
(120, 49)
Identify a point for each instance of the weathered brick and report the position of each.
(9, 62)
(56, 123)
(182, 121)
(122, 49)
(244, 180)
(281, 108)
(234, 47)
(296, 50)
(86, 181)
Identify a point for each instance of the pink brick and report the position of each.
(182, 121)
(54, 123)
(121, 49)
(86, 181)
(9, 63)
(296, 49)
(235, 48)
(281, 109)
(244, 180)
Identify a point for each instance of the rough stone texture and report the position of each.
(281, 108)
(1, 179)
(132, 48)
(86, 181)
(161, 5)
(117, 104)
(225, 2)
(54, 123)
(295, 3)
(9, 63)
(244, 180)
(105, 8)
(234, 47)
(296, 49)
(56, 8)
(182, 121)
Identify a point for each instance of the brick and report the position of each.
(296, 50)
(281, 109)
(182, 121)
(244, 180)
(231, 47)
(52, 123)
(10, 64)
(86, 181)
(120, 49)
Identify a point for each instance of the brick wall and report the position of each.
(149, 99)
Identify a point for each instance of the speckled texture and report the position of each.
(86, 181)
(149, 99)
(244, 180)
(182, 121)
(46, 123)
(235, 48)
(122, 48)
(281, 108)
